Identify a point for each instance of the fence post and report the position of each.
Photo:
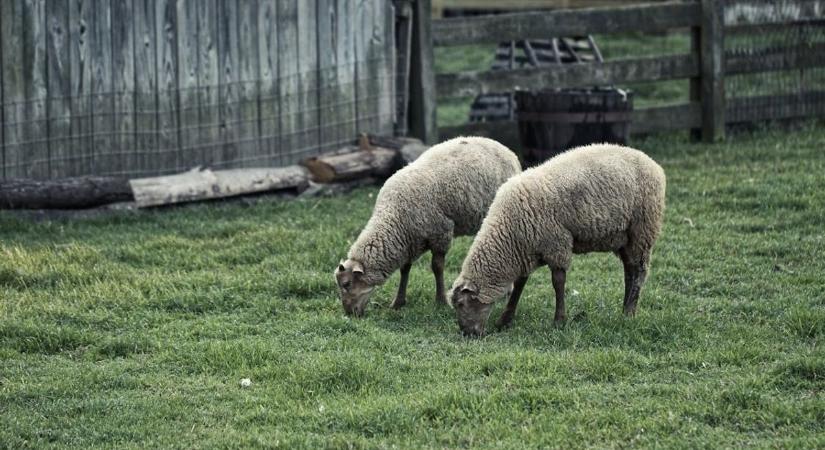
(710, 88)
(422, 76)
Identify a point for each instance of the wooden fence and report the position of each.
(139, 87)
(706, 64)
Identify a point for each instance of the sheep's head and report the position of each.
(470, 310)
(354, 290)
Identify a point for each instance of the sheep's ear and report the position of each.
(357, 268)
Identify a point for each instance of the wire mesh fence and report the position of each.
(142, 133)
(781, 32)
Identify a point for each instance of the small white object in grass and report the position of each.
(246, 382)
(574, 293)
(321, 408)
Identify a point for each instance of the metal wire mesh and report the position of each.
(781, 33)
(238, 124)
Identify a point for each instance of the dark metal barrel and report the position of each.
(553, 121)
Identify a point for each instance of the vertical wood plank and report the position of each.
(228, 66)
(145, 87)
(288, 73)
(3, 123)
(269, 98)
(695, 83)
(248, 64)
(337, 73)
(36, 150)
(168, 100)
(365, 69)
(383, 49)
(308, 77)
(190, 135)
(104, 160)
(66, 157)
(713, 71)
(403, 41)
(123, 83)
(423, 123)
(208, 81)
(13, 91)
(79, 108)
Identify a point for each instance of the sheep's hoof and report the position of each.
(398, 303)
(559, 323)
(441, 300)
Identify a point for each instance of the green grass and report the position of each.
(134, 330)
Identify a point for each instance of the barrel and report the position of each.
(552, 121)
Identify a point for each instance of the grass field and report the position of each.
(134, 330)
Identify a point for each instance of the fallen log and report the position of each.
(336, 167)
(205, 184)
(66, 193)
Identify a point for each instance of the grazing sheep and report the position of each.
(598, 198)
(443, 193)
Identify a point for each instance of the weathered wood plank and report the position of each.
(228, 62)
(403, 45)
(35, 158)
(569, 75)
(269, 99)
(308, 78)
(123, 83)
(366, 69)
(208, 83)
(382, 51)
(77, 109)
(337, 73)
(712, 69)
(146, 120)
(423, 123)
(666, 118)
(104, 160)
(535, 25)
(288, 86)
(2, 109)
(756, 12)
(190, 154)
(249, 70)
(13, 93)
(59, 89)
(166, 29)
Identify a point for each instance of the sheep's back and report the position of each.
(456, 179)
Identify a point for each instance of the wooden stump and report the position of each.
(66, 193)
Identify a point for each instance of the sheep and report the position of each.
(597, 198)
(442, 194)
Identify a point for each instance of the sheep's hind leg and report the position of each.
(638, 280)
(438, 271)
(510, 311)
(559, 277)
(401, 296)
(629, 273)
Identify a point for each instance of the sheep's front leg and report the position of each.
(401, 296)
(510, 311)
(559, 277)
(438, 271)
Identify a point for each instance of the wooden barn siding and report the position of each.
(140, 87)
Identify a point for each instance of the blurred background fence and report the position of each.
(696, 65)
(145, 87)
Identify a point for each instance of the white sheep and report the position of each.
(598, 198)
(442, 194)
